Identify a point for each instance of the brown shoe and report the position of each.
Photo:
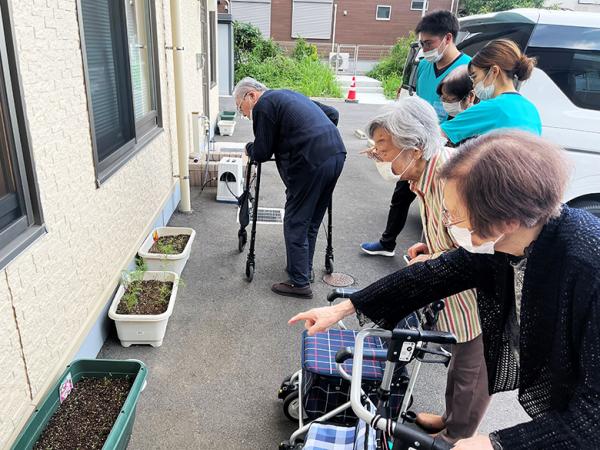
(288, 289)
(432, 423)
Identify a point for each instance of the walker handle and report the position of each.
(346, 353)
(340, 293)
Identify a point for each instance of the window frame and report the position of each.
(389, 7)
(412, 8)
(22, 232)
(147, 127)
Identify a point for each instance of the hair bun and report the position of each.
(524, 67)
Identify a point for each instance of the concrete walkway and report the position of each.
(368, 90)
(213, 383)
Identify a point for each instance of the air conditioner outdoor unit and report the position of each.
(339, 59)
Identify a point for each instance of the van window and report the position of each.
(472, 38)
(571, 57)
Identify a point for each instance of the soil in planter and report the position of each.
(170, 245)
(85, 418)
(152, 297)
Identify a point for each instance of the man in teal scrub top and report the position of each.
(437, 34)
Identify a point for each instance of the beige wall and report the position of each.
(53, 292)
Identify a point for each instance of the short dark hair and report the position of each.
(457, 83)
(438, 23)
(508, 175)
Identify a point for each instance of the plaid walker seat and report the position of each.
(323, 389)
(322, 436)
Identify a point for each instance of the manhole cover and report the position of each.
(338, 279)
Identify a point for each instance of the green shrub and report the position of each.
(391, 85)
(305, 50)
(393, 65)
(263, 60)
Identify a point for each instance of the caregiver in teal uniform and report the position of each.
(494, 70)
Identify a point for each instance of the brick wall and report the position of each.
(52, 293)
(358, 26)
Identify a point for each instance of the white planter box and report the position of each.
(226, 127)
(144, 329)
(172, 263)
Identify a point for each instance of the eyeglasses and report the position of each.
(239, 106)
(447, 219)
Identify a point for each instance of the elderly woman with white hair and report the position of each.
(408, 146)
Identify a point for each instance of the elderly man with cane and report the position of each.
(309, 153)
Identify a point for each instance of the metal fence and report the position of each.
(347, 59)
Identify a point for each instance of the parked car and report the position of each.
(565, 85)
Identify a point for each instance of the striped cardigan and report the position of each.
(460, 316)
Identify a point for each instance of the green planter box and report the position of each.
(227, 115)
(90, 368)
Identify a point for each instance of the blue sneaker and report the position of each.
(375, 248)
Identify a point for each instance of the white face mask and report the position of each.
(453, 109)
(434, 55)
(462, 236)
(484, 92)
(385, 169)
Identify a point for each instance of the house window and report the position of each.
(312, 19)
(120, 62)
(212, 20)
(417, 5)
(384, 12)
(20, 212)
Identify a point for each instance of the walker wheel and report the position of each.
(249, 271)
(291, 406)
(286, 388)
(242, 239)
(287, 445)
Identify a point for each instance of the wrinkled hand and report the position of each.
(320, 319)
(417, 249)
(478, 442)
(420, 258)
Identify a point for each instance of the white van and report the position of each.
(565, 85)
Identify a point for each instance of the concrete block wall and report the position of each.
(54, 292)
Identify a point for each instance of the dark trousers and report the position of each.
(304, 212)
(401, 200)
(467, 396)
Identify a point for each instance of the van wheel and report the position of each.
(592, 206)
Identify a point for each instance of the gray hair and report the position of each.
(412, 123)
(246, 85)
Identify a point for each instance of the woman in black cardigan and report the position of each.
(536, 267)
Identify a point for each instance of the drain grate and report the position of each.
(269, 216)
(338, 279)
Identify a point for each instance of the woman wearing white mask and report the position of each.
(456, 91)
(494, 70)
(408, 146)
(538, 294)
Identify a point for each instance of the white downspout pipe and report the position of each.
(182, 138)
(334, 23)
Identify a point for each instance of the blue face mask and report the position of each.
(482, 91)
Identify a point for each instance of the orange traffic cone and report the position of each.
(351, 97)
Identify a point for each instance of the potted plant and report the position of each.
(92, 405)
(143, 304)
(168, 248)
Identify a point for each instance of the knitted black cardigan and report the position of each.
(559, 377)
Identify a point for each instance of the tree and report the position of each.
(469, 7)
